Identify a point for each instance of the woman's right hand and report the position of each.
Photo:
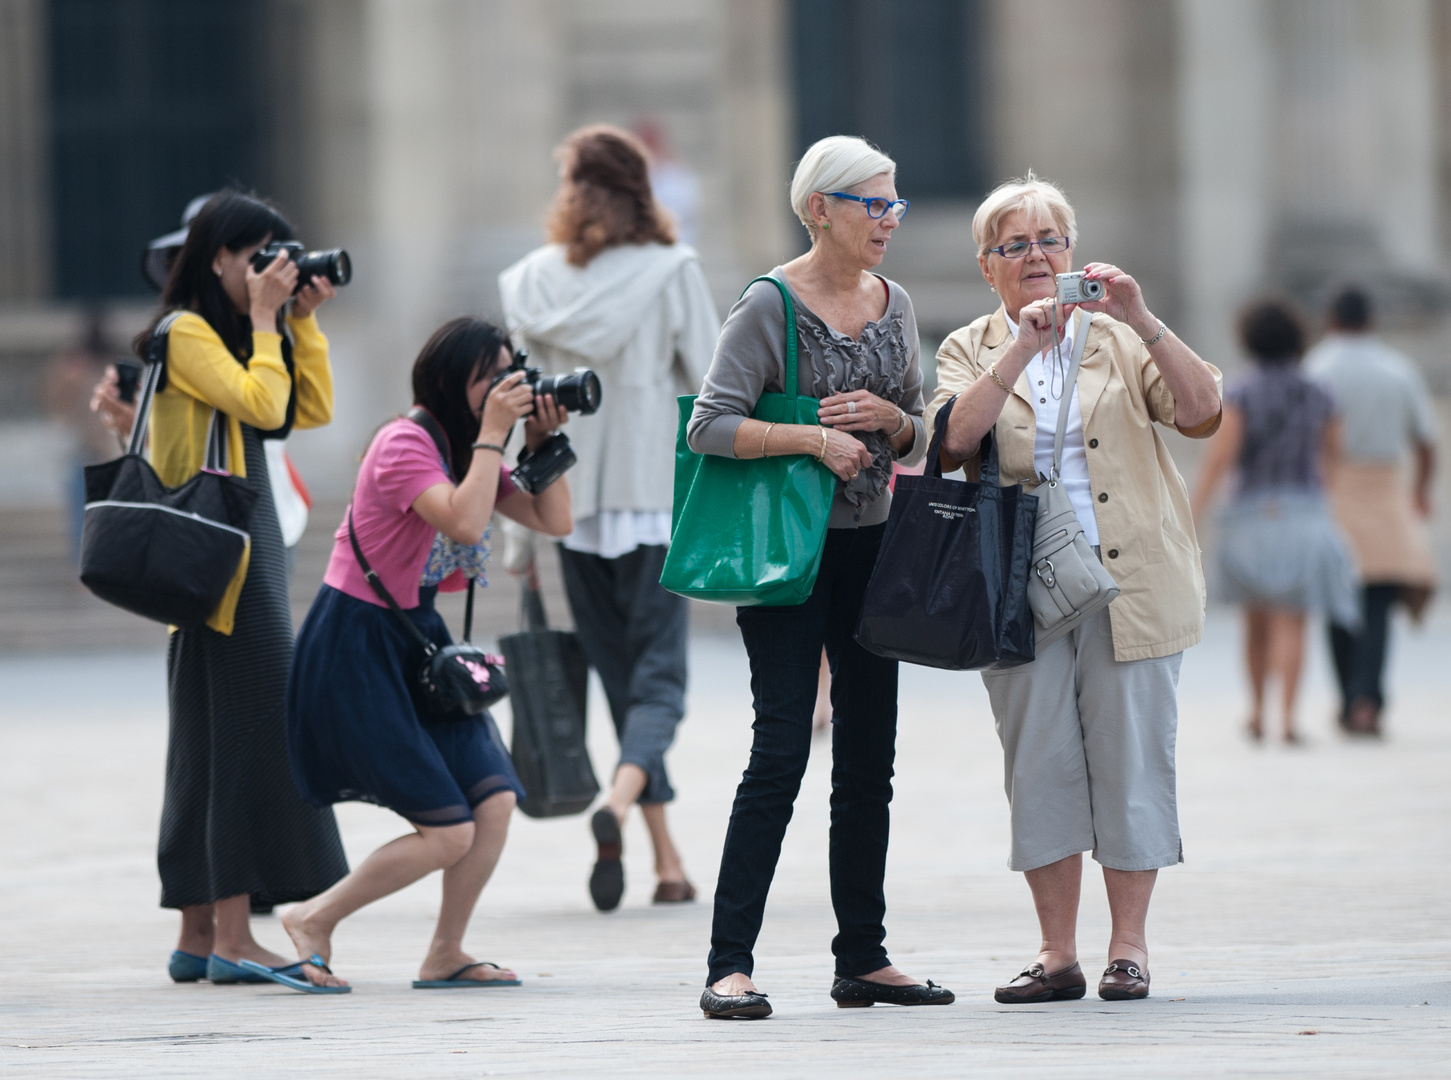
(846, 455)
(504, 406)
(269, 290)
(1036, 332)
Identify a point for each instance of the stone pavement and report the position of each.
(1307, 933)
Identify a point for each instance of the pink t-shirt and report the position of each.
(400, 465)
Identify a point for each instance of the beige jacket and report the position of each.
(1145, 528)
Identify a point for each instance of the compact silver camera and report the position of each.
(1074, 288)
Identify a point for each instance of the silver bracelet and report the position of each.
(1155, 339)
(901, 423)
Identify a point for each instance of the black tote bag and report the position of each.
(164, 553)
(950, 587)
(548, 687)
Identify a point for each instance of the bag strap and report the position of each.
(382, 590)
(987, 450)
(426, 420)
(1070, 387)
(153, 355)
(791, 388)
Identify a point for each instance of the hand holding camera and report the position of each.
(1117, 295)
(506, 402)
(270, 287)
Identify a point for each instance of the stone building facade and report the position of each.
(1213, 148)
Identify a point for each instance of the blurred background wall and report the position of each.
(1214, 148)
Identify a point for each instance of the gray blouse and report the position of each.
(750, 359)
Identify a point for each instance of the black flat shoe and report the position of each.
(748, 1006)
(859, 994)
(607, 879)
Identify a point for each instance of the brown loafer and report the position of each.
(1123, 981)
(674, 892)
(1034, 985)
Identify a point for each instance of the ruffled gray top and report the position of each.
(750, 359)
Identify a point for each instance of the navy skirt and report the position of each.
(356, 726)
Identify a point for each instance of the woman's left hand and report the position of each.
(548, 417)
(859, 410)
(1123, 299)
(310, 297)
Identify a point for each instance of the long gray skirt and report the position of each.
(232, 821)
(1282, 549)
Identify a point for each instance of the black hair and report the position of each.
(1350, 309)
(231, 220)
(1272, 332)
(442, 374)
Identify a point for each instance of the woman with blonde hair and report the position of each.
(614, 290)
(1088, 727)
(858, 347)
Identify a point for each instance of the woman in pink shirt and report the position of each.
(357, 726)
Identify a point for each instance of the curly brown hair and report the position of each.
(605, 199)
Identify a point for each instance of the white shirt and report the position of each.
(612, 533)
(1045, 379)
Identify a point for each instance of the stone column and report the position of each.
(25, 256)
(1225, 104)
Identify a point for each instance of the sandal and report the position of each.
(454, 982)
(301, 983)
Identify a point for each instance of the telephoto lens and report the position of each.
(579, 391)
(333, 264)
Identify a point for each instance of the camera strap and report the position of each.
(1070, 381)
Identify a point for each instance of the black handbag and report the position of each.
(551, 682)
(164, 553)
(950, 586)
(459, 678)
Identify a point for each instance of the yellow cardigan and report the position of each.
(201, 374)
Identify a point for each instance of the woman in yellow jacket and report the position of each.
(234, 830)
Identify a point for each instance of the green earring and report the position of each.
(826, 224)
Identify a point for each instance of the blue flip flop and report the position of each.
(222, 972)
(299, 982)
(454, 982)
(186, 967)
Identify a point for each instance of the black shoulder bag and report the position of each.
(164, 553)
(459, 678)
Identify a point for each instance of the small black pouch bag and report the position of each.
(551, 679)
(950, 587)
(164, 553)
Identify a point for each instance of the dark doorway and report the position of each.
(152, 102)
(904, 74)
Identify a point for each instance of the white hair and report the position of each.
(836, 163)
(1043, 201)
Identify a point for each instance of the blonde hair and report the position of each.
(836, 163)
(1042, 199)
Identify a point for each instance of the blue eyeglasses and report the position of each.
(876, 208)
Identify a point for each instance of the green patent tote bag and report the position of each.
(750, 532)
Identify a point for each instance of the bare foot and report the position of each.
(737, 982)
(309, 938)
(889, 976)
(445, 966)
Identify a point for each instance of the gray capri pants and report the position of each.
(1088, 753)
(634, 635)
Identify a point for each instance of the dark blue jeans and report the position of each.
(1360, 654)
(784, 645)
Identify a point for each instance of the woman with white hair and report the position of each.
(1087, 728)
(858, 350)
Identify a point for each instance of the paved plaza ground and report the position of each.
(1306, 935)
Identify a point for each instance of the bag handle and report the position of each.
(153, 355)
(1070, 385)
(987, 450)
(791, 388)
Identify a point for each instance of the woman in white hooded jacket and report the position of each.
(613, 291)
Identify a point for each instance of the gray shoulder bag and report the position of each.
(1068, 582)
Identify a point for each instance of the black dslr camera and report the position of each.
(579, 391)
(333, 264)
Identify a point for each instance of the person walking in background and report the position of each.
(1089, 726)
(1279, 552)
(69, 377)
(233, 825)
(1387, 417)
(613, 289)
(358, 728)
(858, 346)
